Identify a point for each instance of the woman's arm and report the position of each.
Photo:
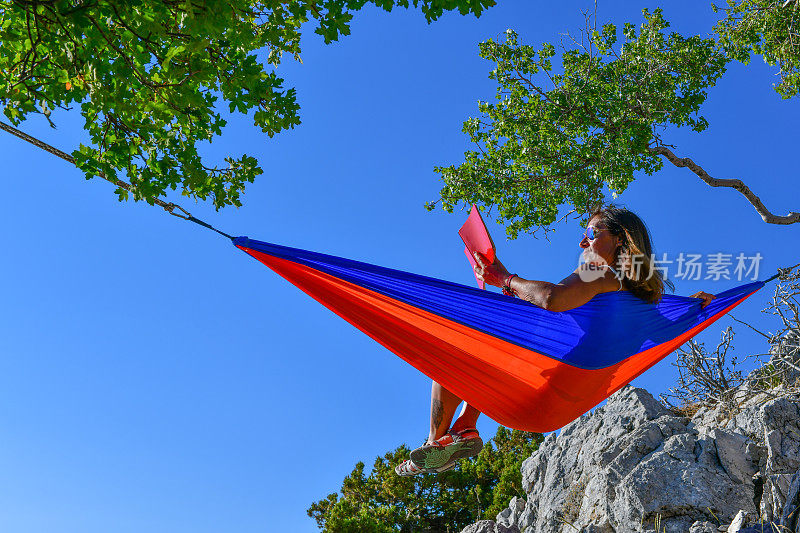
(569, 293)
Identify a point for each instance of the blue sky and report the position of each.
(154, 378)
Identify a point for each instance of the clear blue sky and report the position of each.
(154, 378)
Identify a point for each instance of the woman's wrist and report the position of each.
(507, 289)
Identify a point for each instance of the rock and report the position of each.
(776, 489)
(738, 522)
(702, 527)
(510, 517)
(488, 526)
(738, 455)
(484, 526)
(681, 483)
(625, 465)
(781, 419)
(790, 517)
(632, 465)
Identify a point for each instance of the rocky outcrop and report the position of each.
(632, 465)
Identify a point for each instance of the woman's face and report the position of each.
(602, 249)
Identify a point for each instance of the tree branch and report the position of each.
(766, 215)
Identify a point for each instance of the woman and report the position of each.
(614, 236)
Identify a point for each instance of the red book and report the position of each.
(476, 239)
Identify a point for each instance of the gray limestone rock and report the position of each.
(632, 465)
(738, 455)
(790, 517)
(776, 489)
(781, 419)
(484, 526)
(703, 527)
(488, 526)
(510, 517)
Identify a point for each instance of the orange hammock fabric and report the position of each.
(523, 366)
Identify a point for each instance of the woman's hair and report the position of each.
(635, 254)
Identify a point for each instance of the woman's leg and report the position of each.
(467, 419)
(443, 407)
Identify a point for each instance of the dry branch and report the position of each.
(766, 215)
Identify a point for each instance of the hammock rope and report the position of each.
(188, 216)
(781, 272)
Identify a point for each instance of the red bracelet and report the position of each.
(507, 290)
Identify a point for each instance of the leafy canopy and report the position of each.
(148, 75)
(383, 502)
(540, 148)
(769, 28)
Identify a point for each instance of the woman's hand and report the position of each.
(490, 273)
(705, 296)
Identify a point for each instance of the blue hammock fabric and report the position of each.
(509, 358)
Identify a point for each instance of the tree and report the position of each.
(558, 136)
(769, 28)
(149, 76)
(383, 502)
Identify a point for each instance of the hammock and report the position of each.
(521, 365)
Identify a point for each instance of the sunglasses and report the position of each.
(591, 232)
